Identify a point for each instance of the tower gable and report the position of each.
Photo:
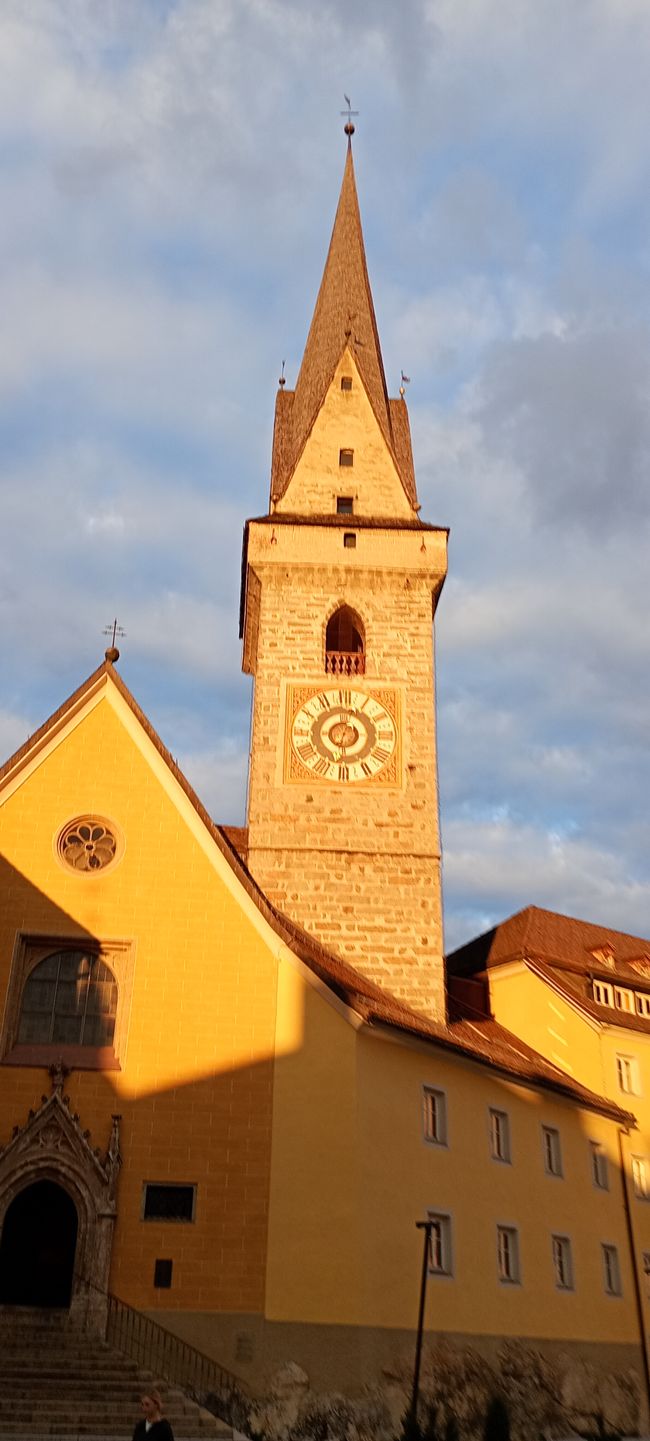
(346, 456)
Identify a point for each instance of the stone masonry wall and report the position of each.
(358, 865)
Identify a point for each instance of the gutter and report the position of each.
(643, 1335)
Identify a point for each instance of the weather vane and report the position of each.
(406, 380)
(282, 381)
(113, 629)
(348, 127)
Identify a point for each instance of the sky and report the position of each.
(169, 172)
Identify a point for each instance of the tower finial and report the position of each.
(348, 128)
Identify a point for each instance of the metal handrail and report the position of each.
(175, 1361)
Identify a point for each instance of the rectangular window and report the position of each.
(440, 1245)
(563, 1263)
(603, 993)
(624, 999)
(552, 1151)
(599, 1170)
(508, 1254)
(434, 1107)
(349, 540)
(627, 1072)
(173, 1202)
(346, 457)
(162, 1274)
(641, 1177)
(611, 1271)
(346, 382)
(642, 1004)
(344, 504)
(499, 1134)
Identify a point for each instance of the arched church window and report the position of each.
(69, 998)
(344, 643)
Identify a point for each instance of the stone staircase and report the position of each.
(58, 1382)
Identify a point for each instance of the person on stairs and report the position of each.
(153, 1425)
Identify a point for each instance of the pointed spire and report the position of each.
(344, 315)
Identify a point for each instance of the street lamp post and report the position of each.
(426, 1227)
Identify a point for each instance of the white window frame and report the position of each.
(603, 993)
(508, 1264)
(441, 1258)
(642, 1003)
(599, 1166)
(499, 1123)
(434, 1116)
(552, 1151)
(640, 1168)
(562, 1253)
(627, 1074)
(624, 999)
(611, 1270)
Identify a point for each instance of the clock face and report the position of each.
(344, 735)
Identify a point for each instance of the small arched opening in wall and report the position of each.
(345, 643)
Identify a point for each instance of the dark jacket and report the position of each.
(158, 1431)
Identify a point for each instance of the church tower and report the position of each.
(340, 584)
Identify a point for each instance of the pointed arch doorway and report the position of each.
(38, 1247)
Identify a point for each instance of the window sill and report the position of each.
(78, 1058)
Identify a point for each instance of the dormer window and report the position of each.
(344, 504)
(346, 457)
(346, 382)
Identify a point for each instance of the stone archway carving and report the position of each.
(52, 1146)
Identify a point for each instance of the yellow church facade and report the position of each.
(232, 1079)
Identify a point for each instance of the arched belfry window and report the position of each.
(69, 998)
(344, 643)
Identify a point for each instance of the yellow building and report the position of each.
(230, 1085)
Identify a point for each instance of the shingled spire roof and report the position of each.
(344, 315)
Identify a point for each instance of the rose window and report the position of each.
(88, 844)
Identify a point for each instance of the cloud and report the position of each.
(170, 173)
(218, 775)
(573, 413)
(495, 868)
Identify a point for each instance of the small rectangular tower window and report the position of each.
(499, 1134)
(434, 1113)
(611, 1270)
(346, 457)
(508, 1254)
(349, 540)
(344, 504)
(552, 1151)
(440, 1252)
(563, 1263)
(599, 1172)
(346, 382)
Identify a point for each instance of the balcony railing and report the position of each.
(345, 662)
